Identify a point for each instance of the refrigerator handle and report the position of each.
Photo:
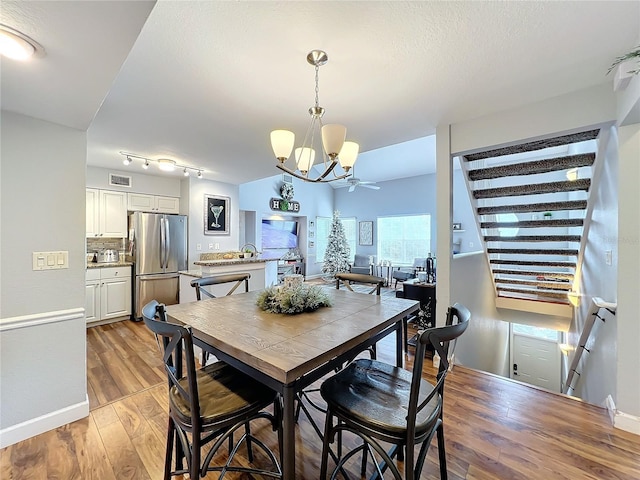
(163, 243)
(167, 242)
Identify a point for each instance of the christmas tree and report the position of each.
(336, 256)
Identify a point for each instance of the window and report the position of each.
(323, 228)
(403, 238)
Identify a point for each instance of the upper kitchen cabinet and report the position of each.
(140, 202)
(106, 213)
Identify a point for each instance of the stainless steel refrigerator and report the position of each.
(158, 245)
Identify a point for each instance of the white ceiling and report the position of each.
(206, 81)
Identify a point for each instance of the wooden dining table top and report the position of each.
(284, 346)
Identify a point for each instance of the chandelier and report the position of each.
(334, 149)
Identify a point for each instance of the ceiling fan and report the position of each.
(353, 182)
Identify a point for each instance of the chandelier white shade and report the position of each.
(332, 150)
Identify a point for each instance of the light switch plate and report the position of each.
(50, 260)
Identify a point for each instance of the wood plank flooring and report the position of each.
(494, 428)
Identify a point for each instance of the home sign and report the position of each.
(283, 205)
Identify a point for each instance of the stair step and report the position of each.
(532, 273)
(564, 222)
(534, 207)
(538, 293)
(533, 167)
(532, 263)
(532, 251)
(534, 189)
(537, 145)
(538, 283)
(533, 238)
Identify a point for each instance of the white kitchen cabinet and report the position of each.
(140, 202)
(108, 293)
(106, 214)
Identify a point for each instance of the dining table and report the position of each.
(288, 352)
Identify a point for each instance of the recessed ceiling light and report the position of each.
(16, 45)
(166, 165)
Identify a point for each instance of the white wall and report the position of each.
(42, 349)
(628, 313)
(316, 199)
(598, 368)
(197, 189)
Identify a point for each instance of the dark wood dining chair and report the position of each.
(379, 402)
(238, 278)
(208, 406)
(342, 279)
(199, 283)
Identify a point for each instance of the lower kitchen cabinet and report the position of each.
(108, 294)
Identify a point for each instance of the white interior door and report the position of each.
(536, 361)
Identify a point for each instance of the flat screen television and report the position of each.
(279, 234)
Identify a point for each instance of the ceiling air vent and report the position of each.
(119, 180)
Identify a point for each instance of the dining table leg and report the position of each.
(289, 434)
(399, 344)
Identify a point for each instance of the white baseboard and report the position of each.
(626, 422)
(621, 420)
(44, 423)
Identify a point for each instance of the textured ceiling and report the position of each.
(205, 82)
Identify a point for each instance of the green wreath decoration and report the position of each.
(284, 205)
(303, 298)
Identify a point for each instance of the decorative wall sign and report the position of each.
(216, 215)
(366, 233)
(282, 205)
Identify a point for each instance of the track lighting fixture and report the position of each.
(164, 164)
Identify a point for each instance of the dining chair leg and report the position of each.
(441, 453)
(247, 432)
(194, 467)
(325, 446)
(169, 451)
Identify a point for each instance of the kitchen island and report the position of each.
(263, 273)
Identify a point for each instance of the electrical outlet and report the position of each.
(211, 246)
(608, 257)
(217, 246)
(198, 246)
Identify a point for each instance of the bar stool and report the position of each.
(379, 402)
(209, 405)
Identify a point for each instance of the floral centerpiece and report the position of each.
(301, 298)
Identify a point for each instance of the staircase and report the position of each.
(532, 209)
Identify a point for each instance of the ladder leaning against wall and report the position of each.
(597, 305)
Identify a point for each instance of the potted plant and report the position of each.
(547, 215)
(248, 253)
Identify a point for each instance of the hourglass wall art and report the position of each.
(216, 215)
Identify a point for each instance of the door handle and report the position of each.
(162, 242)
(167, 246)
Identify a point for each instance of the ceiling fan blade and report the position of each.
(372, 187)
(366, 183)
(352, 188)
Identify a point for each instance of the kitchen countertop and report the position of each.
(121, 263)
(233, 261)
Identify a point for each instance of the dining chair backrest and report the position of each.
(238, 278)
(178, 345)
(347, 279)
(440, 339)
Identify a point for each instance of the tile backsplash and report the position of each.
(103, 243)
